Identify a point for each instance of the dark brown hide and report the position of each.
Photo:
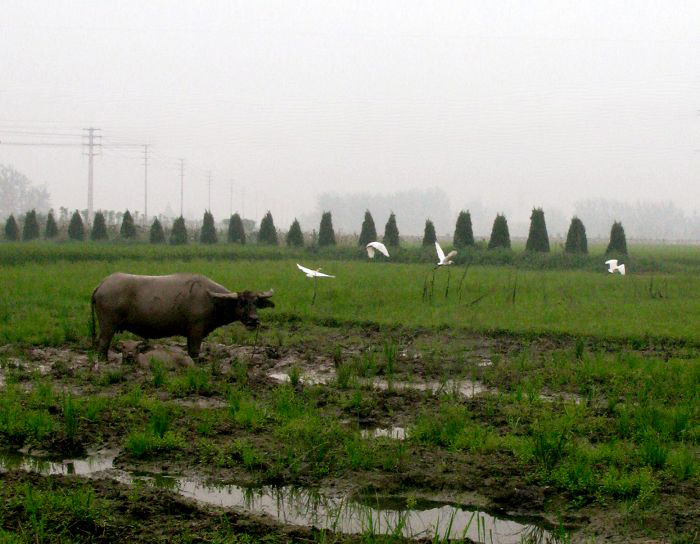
(177, 305)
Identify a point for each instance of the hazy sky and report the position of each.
(514, 103)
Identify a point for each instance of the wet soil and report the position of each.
(427, 365)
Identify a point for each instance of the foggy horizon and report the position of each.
(511, 105)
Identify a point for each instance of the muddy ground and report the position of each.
(396, 377)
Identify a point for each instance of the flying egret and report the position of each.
(444, 259)
(614, 267)
(379, 247)
(315, 274)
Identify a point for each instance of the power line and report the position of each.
(145, 184)
(91, 136)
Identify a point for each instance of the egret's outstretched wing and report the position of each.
(611, 263)
(305, 270)
(621, 268)
(450, 255)
(313, 273)
(440, 252)
(379, 247)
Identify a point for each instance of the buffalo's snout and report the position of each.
(252, 322)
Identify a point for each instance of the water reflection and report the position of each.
(305, 507)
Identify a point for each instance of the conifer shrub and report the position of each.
(76, 230)
(464, 236)
(537, 238)
(31, 226)
(295, 237)
(618, 240)
(326, 235)
(500, 235)
(268, 232)
(178, 236)
(236, 232)
(576, 241)
(368, 233)
(391, 232)
(99, 227)
(51, 227)
(429, 237)
(157, 235)
(11, 229)
(208, 232)
(128, 229)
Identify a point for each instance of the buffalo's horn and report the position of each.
(266, 294)
(233, 295)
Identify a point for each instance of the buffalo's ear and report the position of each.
(262, 300)
(223, 296)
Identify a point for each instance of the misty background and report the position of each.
(421, 108)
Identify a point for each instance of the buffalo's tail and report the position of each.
(92, 317)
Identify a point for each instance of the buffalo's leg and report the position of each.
(106, 335)
(194, 342)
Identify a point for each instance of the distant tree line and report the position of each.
(537, 241)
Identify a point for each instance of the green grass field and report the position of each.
(586, 421)
(49, 303)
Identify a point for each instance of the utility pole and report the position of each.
(91, 144)
(209, 183)
(230, 200)
(145, 184)
(182, 183)
(243, 202)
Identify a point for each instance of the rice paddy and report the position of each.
(517, 405)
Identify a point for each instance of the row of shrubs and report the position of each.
(537, 241)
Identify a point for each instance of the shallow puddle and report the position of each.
(298, 506)
(97, 461)
(464, 388)
(397, 433)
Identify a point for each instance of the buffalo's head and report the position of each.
(242, 306)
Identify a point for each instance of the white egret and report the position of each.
(444, 260)
(379, 247)
(315, 274)
(614, 267)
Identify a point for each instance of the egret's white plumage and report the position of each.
(614, 267)
(444, 259)
(379, 247)
(313, 273)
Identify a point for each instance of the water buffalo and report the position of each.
(178, 305)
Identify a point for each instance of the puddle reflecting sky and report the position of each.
(299, 506)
